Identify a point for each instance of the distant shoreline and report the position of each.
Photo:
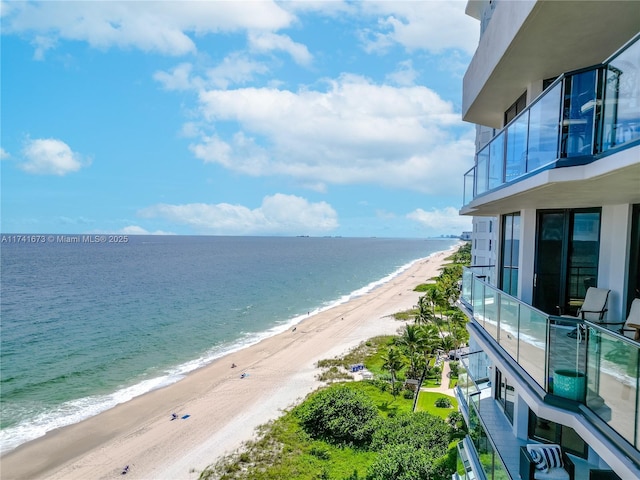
(280, 370)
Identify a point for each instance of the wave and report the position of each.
(75, 411)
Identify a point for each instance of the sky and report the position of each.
(234, 117)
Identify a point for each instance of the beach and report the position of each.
(216, 409)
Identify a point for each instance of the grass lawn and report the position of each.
(427, 403)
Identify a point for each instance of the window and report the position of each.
(519, 105)
(510, 253)
(505, 394)
(634, 258)
(547, 431)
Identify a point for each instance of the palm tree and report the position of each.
(412, 341)
(393, 362)
(424, 311)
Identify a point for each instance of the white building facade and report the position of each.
(554, 89)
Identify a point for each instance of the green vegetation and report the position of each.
(427, 403)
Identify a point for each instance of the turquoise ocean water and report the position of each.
(88, 325)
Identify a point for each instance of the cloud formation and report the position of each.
(49, 156)
(441, 220)
(278, 214)
(354, 132)
(164, 28)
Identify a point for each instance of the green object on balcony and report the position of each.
(569, 384)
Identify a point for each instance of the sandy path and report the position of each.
(224, 409)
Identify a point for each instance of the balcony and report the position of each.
(597, 373)
(581, 117)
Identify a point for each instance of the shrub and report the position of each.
(339, 415)
(420, 430)
(443, 403)
(320, 452)
(408, 394)
(401, 462)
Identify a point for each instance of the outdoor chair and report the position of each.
(631, 327)
(539, 461)
(593, 309)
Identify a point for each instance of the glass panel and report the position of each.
(544, 129)
(477, 301)
(465, 291)
(496, 161)
(463, 466)
(509, 312)
(491, 300)
(579, 106)
(613, 381)
(510, 253)
(547, 288)
(583, 256)
(469, 193)
(622, 98)
(567, 358)
(481, 171)
(532, 343)
(542, 429)
(572, 442)
(517, 147)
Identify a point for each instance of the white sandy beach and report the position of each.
(223, 408)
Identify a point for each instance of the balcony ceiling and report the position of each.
(556, 37)
(570, 187)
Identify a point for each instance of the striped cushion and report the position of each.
(546, 456)
(537, 457)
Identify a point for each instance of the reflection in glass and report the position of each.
(578, 116)
(496, 161)
(583, 255)
(543, 130)
(517, 147)
(481, 172)
(622, 99)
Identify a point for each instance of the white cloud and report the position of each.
(278, 214)
(159, 26)
(431, 26)
(355, 132)
(179, 78)
(4, 154)
(445, 221)
(49, 156)
(137, 230)
(405, 75)
(267, 42)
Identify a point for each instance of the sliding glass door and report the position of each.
(567, 252)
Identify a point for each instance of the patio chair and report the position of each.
(631, 327)
(593, 309)
(539, 461)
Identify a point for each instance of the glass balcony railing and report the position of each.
(580, 115)
(487, 454)
(568, 358)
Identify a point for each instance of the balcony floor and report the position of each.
(500, 430)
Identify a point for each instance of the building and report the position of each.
(554, 89)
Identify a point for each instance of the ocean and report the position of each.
(87, 324)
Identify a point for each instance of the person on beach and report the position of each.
(233, 365)
(125, 470)
(174, 416)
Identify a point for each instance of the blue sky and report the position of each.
(234, 118)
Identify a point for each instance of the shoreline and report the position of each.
(280, 372)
